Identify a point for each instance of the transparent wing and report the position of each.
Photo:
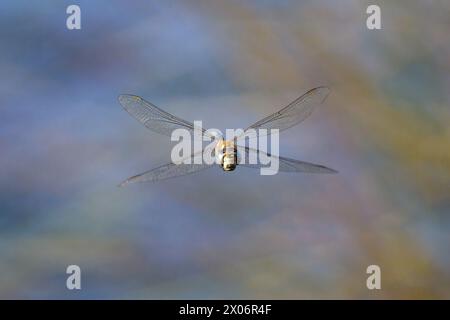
(285, 164)
(153, 117)
(293, 113)
(170, 170)
(166, 171)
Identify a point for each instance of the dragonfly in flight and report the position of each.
(227, 151)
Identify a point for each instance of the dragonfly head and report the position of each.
(226, 154)
(229, 162)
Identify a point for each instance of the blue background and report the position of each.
(65, 144)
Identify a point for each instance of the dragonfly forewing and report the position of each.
(291, 115)
(153, 117)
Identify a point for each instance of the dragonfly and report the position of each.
(228, 151)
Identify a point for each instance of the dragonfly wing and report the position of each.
(153, 117)
(170, 170)
(166, 171)
(285, 164)
(293, 113)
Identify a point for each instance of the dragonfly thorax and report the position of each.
(226, 154)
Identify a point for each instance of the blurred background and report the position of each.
(66, 143)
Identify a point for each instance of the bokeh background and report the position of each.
(65, 144)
